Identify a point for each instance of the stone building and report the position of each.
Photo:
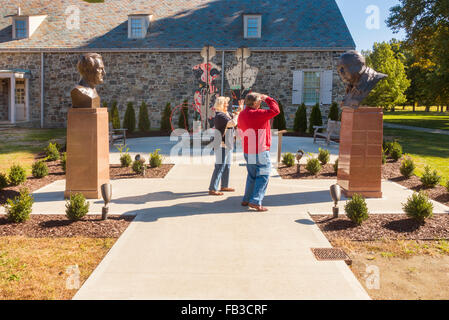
(152, 52)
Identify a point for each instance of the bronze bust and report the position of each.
(91, 68)
(360, 80)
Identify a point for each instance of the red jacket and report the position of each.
(254, 127)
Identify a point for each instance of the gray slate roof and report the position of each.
(181, 24)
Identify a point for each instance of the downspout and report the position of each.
(42, 90)
(222, 72)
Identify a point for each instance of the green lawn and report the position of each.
(432, 120)
(425, 149)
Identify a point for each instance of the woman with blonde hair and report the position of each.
(225, 124)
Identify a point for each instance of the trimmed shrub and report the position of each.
(52, 152)
(125, 160)
(407, 167)
(138, 166)
(334, 112)
(19, 209)
(183, 120)
(430, 179)
(300, 123)
(288, 159)
(64, 162)
(356, 209)
(165, 121)
(324, 156)
(418, 207)
(387, 146)
(384, 157)
(155, 159)
(315, 118)
(39, 169)
(396, 151)
(3, 180)
(447, 185)
(336, 166)
(129, 121)
(279, 121)
(115, 116)
(17, 175)
(76, 207)
(313, 166)
(144, 120)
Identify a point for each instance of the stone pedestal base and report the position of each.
(87, 151)
(360, 161)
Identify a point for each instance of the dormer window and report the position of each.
(252, 25)
(138, 25)
(20, 28)
(23, 26)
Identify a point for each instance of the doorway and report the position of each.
(21, 112)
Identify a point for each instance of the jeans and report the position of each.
(222, 169)
(259, 169)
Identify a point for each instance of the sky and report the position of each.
(367, 28)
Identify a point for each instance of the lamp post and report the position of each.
(335, 191)
(106, 193)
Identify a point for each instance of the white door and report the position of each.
(20, 100)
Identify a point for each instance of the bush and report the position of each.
(17, 175)
(125, 160)
(77, 207)
(313, 166)
(115, 116)
(3, 181)
(144, 120)
(300, 123)
(129, 121)
(138, 166)
(334, 112)
(324, 156)
(165, 121)
(418, 207)
(387, 146)
(430, 179)
(447, 185)
(315, 118)
(183, 120)
(396, 151)
(39, 169)
(64, 162)
(155, 159)
(288, 159)
(356, 209)
(52, 152)
(407, 167)
(279, 121)
(336, 166)
(19, 209)
(384, 157)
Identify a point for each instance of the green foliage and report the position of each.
(418, 207)
(315, 118)
(3, 181)
(300, 123)
(52, 152)
(324, 156)
(313, 166)
(19, 209)
(279, 121)
(138, 166)
(387, 146)
(396, 151)
(430, 178)
(144, 120)
(447, 185)
(64, 162)
(17, 175)
(165, 121)
(334, 112)
(125, 160)
(155, 159)
(336, 166)
(76, 207)
(407, 167)
(115, 116)
(356, 209)
(384, 157)
(129, 121)
(39, 169)
(183, 120)
(288, 159)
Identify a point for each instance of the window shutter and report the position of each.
(298, 85)
(326, 87)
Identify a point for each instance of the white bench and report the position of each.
(332, 131)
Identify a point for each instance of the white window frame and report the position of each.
(25, 21)
(142, 28)
(326, 86)
(245, 25)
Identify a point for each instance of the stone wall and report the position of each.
(158, 78)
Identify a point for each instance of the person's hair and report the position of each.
(355, 62)
(251, 99)
(87, 64)
(220, 102)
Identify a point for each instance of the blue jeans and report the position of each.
(259, 169)
(222, 169)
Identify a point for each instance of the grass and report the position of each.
(22, 145)
(424, 148)
(431, 120)
(35, 268)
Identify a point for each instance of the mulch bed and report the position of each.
(117, 172)
(384, 226)
(291, 172)
(58, 226)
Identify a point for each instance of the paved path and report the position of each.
(428, 130)
(187, 245)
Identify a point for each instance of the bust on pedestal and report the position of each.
(87, 132)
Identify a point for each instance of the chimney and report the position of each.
(19, 11)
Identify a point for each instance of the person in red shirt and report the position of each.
(255, 131)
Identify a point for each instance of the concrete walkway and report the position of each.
(428, 130)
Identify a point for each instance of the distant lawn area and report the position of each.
(425, 148)
(431, 120)
(19, 145)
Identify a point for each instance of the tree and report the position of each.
(165, 121)
(129, 122)
(144, 120)
(334, 112)
(390, 91)
(183, 120)
(279, 120)
(316, 118)
(300, 123)
(115, 116)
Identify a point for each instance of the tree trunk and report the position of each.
(427, 108)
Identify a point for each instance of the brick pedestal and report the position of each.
(360, 160)
(87, 151)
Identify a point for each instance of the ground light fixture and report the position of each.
(335, 191)
(106, 193)
(299, 154)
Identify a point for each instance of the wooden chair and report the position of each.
(332, 131)
(116, 135)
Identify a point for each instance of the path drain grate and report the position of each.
(331, 254)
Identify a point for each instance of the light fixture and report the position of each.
(106, 193)
(335, 191)
(299, 154)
